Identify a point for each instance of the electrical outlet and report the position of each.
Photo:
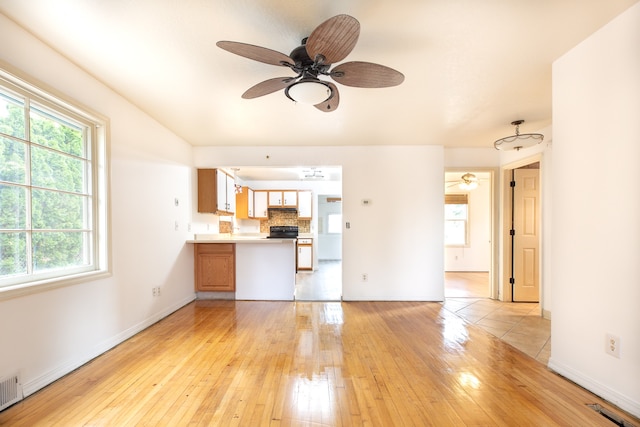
(365, 277)
(155, 291)
(612, 345)
(176, 226)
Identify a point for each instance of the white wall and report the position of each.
(596, 206)
(397, 240)
(45, 335)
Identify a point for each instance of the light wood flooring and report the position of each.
(466, 295)
(251, 363)
(467, 284)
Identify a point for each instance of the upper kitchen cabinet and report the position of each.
(305, 204)
(283, 199)
(260, 204)
(244, 204)
(216, 192)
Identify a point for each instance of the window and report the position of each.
(334, 223)
(52, 188)
(456, 215)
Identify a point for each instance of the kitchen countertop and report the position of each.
(236, 238)
(265, 269)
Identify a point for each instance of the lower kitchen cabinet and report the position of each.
(304, 254)
(215, 267)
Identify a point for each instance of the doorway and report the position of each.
(324, 283)
(469, 233)
(522, 231)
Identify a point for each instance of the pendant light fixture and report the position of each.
(519, 140)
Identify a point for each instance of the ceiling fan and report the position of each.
(467, 182)
(328, 44)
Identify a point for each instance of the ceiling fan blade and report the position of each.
(256, 53)
(330, 104)
(334, 39)
(366, 74)
(266, 87)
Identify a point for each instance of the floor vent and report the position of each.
(10, 391)
(616, 419)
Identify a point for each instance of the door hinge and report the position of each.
(512, 183)
(512, 280)
(512, 232)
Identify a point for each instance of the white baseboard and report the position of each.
(42, 381)
(605, 392)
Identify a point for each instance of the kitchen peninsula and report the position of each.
(244, 267)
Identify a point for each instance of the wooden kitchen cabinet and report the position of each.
(283, 198)
(304, 254)
(260, 204)
(305, 204)
(216, 192)
(215, 267)
(245, 204)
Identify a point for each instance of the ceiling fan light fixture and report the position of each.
(519, 140)
(312, 174)
(310, 91)
(469, 182)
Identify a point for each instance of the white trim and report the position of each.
(27, 288)
(60, 371)
(99, 160)
(622, 401)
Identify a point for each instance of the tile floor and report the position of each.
(519, 324)
(323, 284)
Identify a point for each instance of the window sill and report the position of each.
(24, 289)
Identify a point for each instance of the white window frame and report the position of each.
(464, 221)
(98, 216)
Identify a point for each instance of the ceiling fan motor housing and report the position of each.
(300, 56)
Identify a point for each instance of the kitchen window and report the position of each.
(52, 189)
(334, 223)
(456, 219)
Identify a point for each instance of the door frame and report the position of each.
(505, 226)
(494, 185)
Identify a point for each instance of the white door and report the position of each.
(304, 204)
(275, 198)
(305, 257)
(526, 241)
(290, 199)
(221, 191)
(260, 204)
(250, 203)
(231, 194)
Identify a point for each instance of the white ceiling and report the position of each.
(470, 67)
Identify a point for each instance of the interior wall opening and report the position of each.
(469, 249)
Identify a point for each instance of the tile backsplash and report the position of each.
(285, 218)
